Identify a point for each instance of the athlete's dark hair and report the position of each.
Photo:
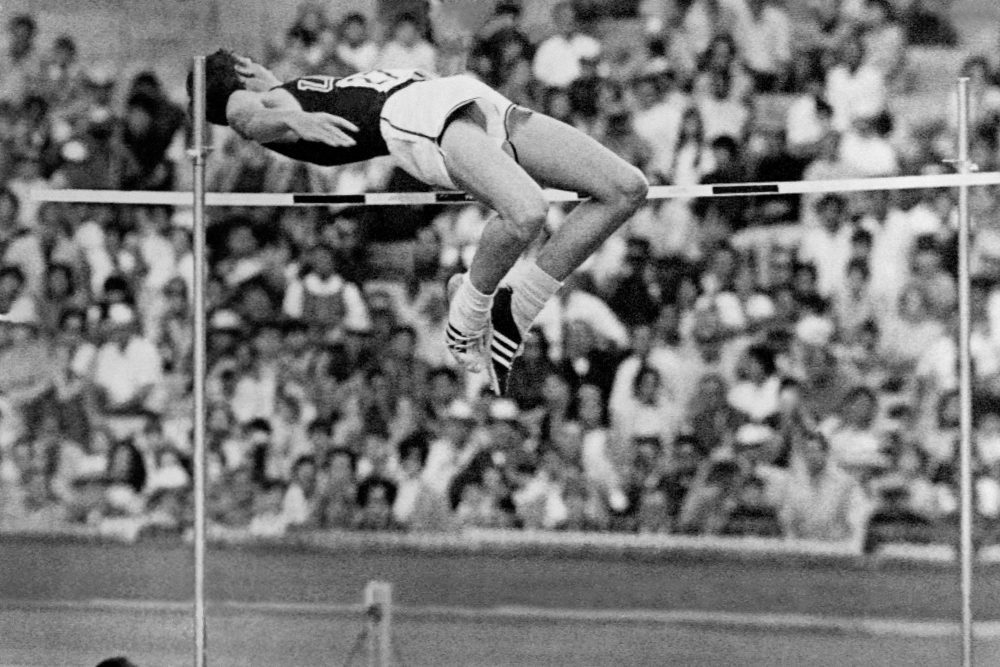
(221, 81)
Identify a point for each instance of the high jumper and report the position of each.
(456, 133)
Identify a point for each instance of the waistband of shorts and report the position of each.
(402, 86)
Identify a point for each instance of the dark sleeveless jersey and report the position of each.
(358, 98)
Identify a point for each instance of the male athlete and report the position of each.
(454, 133)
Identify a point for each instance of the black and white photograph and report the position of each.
(499, 333)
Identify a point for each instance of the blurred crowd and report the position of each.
(771, 366)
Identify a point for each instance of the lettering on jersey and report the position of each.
(381, 80)
(317, 84)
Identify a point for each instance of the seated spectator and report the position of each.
(574, 302)
(501, 36)
(407, 49)
(867, 149)
(27, 373)
(299, 507)
(20, 65)
(987, 431)
(151, 122)
(305, 46)
(61, 294)
(855, 88)
(819, 500)
(648, 411)
(853, 305)
(355, 47)
(721, 58)
(825, 378)
(486, 503)
(984, 94)
(584, 362)
(755, 394)
(322, 298)
(711, 498)
(724, 114)
(885, 41)
(337, 503)
(533, 367)
(929, 276)
(764, 38)
(376, 496)
(618, 134)
(854, 443)
(906, 491)
(127, 372)
(809, 117)
(910, 330)
(16, 303)
(268, 517)
(61, 75)
(637, 295)
(693, 157)
(125, 482)
(827, 247)
(774, 163)
(557, 62)
(167, 472)
(597, 457)
(419, 505)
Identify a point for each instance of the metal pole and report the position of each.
(964, 372)
(198, 155)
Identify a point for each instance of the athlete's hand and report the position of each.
(248, 69)
(324, 128)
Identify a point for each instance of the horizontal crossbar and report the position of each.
(185, 199)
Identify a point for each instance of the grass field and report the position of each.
(54, 637)
(65, 603)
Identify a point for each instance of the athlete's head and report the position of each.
(221, 81)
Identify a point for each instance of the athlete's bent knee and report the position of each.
(526, 223)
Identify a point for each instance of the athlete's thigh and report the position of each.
(478, 165)
(561, 156)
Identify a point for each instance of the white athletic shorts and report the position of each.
(414, 119)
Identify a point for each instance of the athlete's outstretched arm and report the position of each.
(249, 114)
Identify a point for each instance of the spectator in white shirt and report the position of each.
(885, 42)
(867, 151)
(649, 411)
(855, 88)
(355, 48)
(764, 40)
(828, 246)
(755, 395)
(579, 305)
(407, 49)
(724, 113)
(298, 507)
(127, 371)
(657, 119)
(558, 60)
(807, 121)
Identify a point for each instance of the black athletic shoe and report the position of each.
(505, 341)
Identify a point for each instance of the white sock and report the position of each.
(532, 290)
(470, 308)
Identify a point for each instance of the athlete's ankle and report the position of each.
(532, 289)
(470, 309)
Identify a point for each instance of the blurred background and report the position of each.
(735, 407)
